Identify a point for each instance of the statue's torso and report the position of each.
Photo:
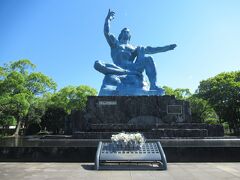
(122, 54)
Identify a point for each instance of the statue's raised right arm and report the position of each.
(110, 38)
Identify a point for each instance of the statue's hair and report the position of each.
(120, 35)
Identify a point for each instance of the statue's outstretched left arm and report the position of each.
(153, 50)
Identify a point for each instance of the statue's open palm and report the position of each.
(110, 15)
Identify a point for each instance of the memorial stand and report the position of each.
(148, 156)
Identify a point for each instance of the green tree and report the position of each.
(53, 119)
(179, 93)
(19, 87)
(6, 119)
(72, 98)
(223, 94)
(62, 103)
(202, 111)
(36, 111)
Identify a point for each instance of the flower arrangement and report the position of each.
(128, 139)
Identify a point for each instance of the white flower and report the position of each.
(127, 138)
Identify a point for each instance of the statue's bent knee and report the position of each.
(99, 66)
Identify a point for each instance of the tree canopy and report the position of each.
(72, 98)
(19, 88)
(179, 93)
(201, 110)
(223, 94)
(62, 103)
(28, 97)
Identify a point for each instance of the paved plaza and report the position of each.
(67, 171)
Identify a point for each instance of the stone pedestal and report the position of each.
(154, 116)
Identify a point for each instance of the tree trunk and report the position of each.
(17, 129)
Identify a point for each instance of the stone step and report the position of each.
(155, 134)
(142, 127)
(213, 130)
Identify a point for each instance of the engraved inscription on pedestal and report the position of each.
(107, 103)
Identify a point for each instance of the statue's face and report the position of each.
(125, 35)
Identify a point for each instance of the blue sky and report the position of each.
(64, 37)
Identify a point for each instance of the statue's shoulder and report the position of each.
(112, 40)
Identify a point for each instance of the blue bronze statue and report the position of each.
(124, 77)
